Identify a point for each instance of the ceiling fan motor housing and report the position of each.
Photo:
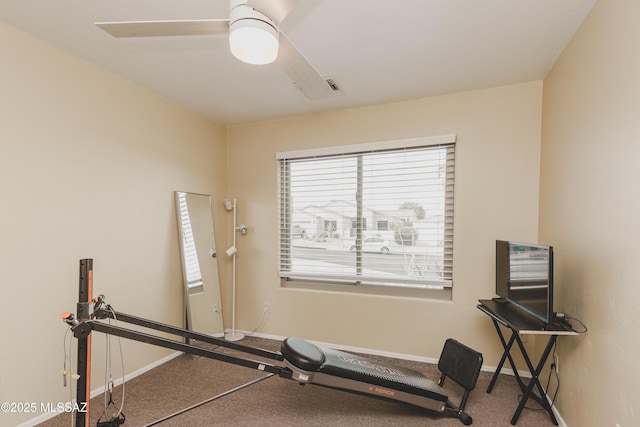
(253, 36)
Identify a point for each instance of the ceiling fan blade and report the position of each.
(277, 10)
(304, 76)
(165, 28)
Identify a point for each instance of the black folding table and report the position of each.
(520, 323)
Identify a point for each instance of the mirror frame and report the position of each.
(200, 273)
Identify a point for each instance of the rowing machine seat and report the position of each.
(302, 354)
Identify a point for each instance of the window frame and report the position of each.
(351, 284)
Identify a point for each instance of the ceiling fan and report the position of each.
(247, 18)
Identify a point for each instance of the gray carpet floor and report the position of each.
(187, 380)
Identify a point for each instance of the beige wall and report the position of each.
(88, 166)
(496, 196)
(89, 163)
(590, 210)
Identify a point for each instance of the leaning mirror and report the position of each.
(199, 263)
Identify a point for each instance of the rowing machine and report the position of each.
(304, 362)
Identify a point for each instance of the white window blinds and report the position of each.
(382, 215)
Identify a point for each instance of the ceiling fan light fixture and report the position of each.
(253, 41)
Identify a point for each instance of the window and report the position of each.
(373, 214)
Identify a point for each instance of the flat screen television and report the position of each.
(524, 277)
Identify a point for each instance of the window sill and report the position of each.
(368, 289)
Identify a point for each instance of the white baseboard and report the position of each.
(96, 392)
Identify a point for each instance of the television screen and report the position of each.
(524, 277)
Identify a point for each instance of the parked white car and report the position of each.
(374, 244)
(298, 231)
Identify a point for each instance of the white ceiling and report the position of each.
(377, 51)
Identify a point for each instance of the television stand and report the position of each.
(520, 324)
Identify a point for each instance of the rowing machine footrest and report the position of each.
(462, 364)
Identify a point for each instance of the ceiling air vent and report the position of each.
(317, 90)
(333, 85)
